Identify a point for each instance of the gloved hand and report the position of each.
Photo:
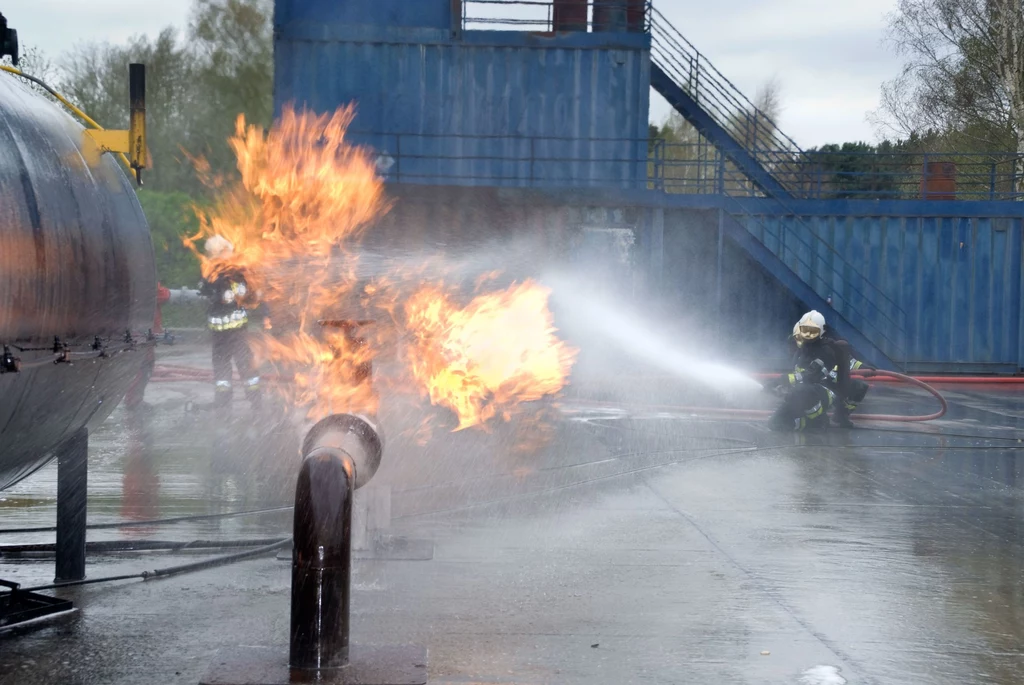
(775, 385)
(815, 371)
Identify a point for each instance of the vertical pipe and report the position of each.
(321, 561)
(636, 15)
(72, 490)
(609, 16)
(137, 120)
(569, 15)
(658, 248)
(718, 270)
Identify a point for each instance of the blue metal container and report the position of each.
(499, 108)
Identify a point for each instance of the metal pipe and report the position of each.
(340, 454)
(72, 490)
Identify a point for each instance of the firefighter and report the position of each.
(818, 382)
(806, 400)
(849, 391)
(228, 320)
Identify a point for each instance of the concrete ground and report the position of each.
(611, 543)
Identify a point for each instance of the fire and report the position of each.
(486, 358)
(294, 217)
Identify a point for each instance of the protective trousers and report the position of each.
(853, 393)
(805, 408)
(228, 345)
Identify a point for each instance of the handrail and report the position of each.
(722, 100)
(540, 15)
(820, 283)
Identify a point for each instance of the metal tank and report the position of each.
(76, 264)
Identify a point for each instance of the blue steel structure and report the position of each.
(469, 106)
(748, 223)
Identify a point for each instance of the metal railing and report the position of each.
(753, 129)
(511, 161)
(684, 168)
(699, 168)
(543, 15)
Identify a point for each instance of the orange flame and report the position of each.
(483, 360)
(304, 196)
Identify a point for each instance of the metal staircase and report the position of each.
(774, 234)
(720, 112)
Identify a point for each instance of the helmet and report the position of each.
(218, 246)
(810, 327)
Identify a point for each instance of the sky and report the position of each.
(827, 56)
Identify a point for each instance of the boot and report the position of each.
(841, 417)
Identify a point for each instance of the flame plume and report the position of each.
(294, 217)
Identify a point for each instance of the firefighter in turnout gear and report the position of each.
(849, 391)
(821, 373)
(227, 317)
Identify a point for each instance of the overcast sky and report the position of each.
(827, 55)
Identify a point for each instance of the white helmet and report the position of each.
(810, 327)
(218, 246)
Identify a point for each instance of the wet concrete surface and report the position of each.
(629, 545)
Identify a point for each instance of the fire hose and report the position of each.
(764, 413)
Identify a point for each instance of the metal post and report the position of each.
(533, 155)
(992, 181)
(924, 179)
(718, 270)
(398, 158)
(322, 561)
(72, 491)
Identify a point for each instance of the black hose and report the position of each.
(150, 522)
(108, 546)
(171, 570)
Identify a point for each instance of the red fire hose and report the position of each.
(172, 373)
(763, 413)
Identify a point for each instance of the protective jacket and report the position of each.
(229, 296)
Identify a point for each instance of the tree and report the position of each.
(33, 62)
(964, 74)
(171, 218)
(196, 87)
(96, 79)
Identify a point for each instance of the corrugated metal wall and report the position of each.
(957, 281)
(461, 108)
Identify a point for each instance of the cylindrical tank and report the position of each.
(76, 263)
(569, 15)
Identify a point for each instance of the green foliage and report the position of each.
(196, 87)
(170, 219)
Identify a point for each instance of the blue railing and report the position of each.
(698, 168)
(689, 168)
(544, 16)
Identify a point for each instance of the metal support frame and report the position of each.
(72, 502)
(98, 141)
